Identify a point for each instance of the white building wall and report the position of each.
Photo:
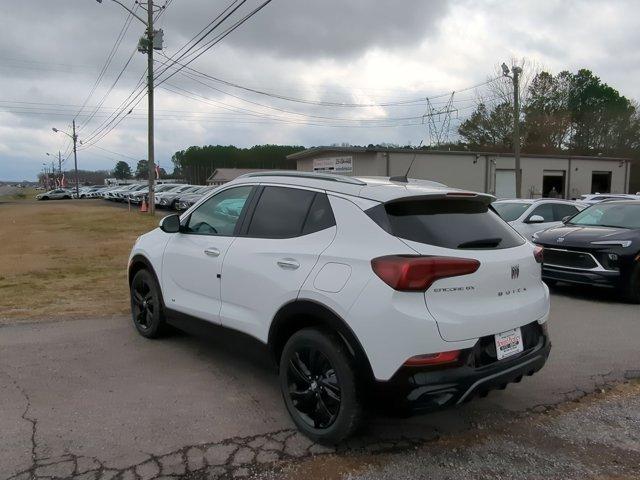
(477, 172)
(460, 171)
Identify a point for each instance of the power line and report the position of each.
(110, 56)
(338, 104)
(207, 46)
(259, 115)
(111, 151)
(102, 135)
(104, 97)
(226, 13)
(115, 121)
(449, 103)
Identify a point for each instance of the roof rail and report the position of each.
(331, 177)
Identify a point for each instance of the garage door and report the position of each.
(505, 183)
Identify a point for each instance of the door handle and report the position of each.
(288, 264)
(212, 252)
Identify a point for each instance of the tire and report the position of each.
(66, 197)
(319, 387)
(633, 290)
(44, 198)
(146, 305)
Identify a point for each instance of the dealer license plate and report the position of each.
(509, 343)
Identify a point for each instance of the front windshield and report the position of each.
(509, 211)
(618, 215)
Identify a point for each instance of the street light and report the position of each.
(73, 137)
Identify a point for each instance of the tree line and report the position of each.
(195, 164)
(571, 113)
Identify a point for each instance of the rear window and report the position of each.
(448, 223)
(510, 211)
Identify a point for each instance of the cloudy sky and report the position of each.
(350, 70)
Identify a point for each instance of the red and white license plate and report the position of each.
(509, 343)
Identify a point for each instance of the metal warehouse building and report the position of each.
(494, 173)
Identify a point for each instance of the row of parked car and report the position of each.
(167, 195)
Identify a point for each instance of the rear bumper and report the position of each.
(414, 390)
(598, 278)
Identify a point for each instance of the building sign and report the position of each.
(341, 165)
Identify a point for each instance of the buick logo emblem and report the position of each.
(515, 271)
(560, 239)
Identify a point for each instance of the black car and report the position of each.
(599, 246)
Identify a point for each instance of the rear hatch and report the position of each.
(506, 290)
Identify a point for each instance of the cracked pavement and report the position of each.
(91, 399)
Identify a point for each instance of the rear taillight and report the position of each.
(538, 253)
(416, 273)
(441, 358)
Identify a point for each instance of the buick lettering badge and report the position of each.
(515, 271)
(560, 239)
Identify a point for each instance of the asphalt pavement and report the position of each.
(91, 399)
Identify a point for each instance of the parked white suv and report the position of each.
(367, 291)
(529, 216)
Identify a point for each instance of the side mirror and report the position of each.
(566, 219)
(535, 219)
(170, 224)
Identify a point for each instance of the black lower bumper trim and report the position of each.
(413, 390)
(610, 279)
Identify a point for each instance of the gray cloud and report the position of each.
(338, 50)
(331, 28)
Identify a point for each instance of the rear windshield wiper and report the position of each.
(481, 243)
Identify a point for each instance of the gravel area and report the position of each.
(596, 437)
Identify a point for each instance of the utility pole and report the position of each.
(73, 136)
(147, 46)
(59, 163)
(515, 78)
(75, 158)
(151, 155)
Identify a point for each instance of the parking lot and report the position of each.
(84, 396)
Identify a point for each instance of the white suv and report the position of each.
(529, 216)
(367, 292)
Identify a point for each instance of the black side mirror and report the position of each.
(170, 224)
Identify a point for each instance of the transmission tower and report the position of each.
(439, 121)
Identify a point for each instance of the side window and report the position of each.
(563, 210)
(281, 213)
(220, 214)
(320, 215)
(545, 211)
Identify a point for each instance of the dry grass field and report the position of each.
(65, 258)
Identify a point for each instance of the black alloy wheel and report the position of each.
(319, 387)
(146, 306)
(314, 388)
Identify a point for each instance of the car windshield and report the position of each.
(618, 215)
(509, 211)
